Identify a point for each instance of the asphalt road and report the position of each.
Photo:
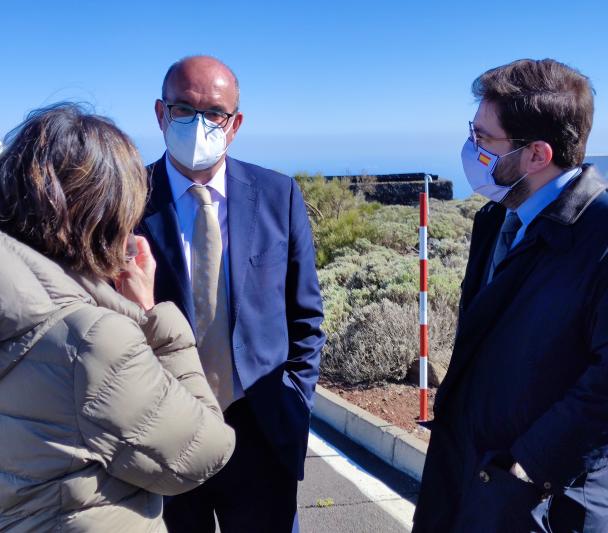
(348, 490)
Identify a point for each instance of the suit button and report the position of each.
(484, 476)
(547, 485)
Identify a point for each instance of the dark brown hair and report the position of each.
(72, 186)
(542, 100)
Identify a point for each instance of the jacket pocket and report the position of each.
(498, 501)
(276, 254)
(290, 384)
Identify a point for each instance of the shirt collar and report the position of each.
(549, 192)
(180, 184)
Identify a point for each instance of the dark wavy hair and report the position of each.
(72, 186)
(542, 100)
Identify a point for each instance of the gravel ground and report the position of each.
(398, 404)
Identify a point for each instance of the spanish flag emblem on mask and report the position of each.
(484, 159)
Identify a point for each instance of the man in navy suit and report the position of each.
(274, 309)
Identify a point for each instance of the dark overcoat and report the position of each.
(528, 379)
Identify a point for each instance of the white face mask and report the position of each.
(195, 145)
(479, 165)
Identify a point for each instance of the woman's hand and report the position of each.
(136, 281)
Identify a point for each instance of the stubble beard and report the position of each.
(507, 172)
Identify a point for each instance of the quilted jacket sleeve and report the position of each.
(144, 405)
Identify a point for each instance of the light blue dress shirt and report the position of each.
(532, 207)
(187, 207)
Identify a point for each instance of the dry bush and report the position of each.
(376, 344)
(443, 320)
(380, 343)
(366, 184)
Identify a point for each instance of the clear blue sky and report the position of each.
(326, 86)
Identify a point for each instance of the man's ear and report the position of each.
(540, 156)
(238, 120)
(159, 109)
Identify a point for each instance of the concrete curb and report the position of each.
(390, 443)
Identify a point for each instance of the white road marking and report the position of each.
(391, 502)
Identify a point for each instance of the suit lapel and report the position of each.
(242, 214)
(485, 229)
(163, 229)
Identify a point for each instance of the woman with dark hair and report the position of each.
(104, 407)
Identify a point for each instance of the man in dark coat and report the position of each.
(237, 236)
(520, 435)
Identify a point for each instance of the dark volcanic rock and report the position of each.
(402, 189)
(403, 192)
(387, 178)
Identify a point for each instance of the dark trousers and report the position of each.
(253, 493)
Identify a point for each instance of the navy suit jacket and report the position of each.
(276, 308)
(528, 379)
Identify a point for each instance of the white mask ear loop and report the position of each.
(520, 179)
(225, 138)
(511, 187)
(516, 150)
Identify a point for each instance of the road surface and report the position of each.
(348, 490)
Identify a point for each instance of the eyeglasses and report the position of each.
(184, 114)
(477, 137)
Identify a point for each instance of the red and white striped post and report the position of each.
(424, 329)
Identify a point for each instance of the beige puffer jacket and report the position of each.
(102, 408)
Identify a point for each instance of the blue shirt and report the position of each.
(533, 205)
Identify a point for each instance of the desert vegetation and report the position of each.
(367, 256)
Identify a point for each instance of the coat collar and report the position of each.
(554, 224)
(572, 203)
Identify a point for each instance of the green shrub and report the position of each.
(339, 218)
(469, 206)
(368, 262)
(333, 234)
(326, 199)
(396, 227)
(367, 273)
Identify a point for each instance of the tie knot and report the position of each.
(511, 224)
(202, 195)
